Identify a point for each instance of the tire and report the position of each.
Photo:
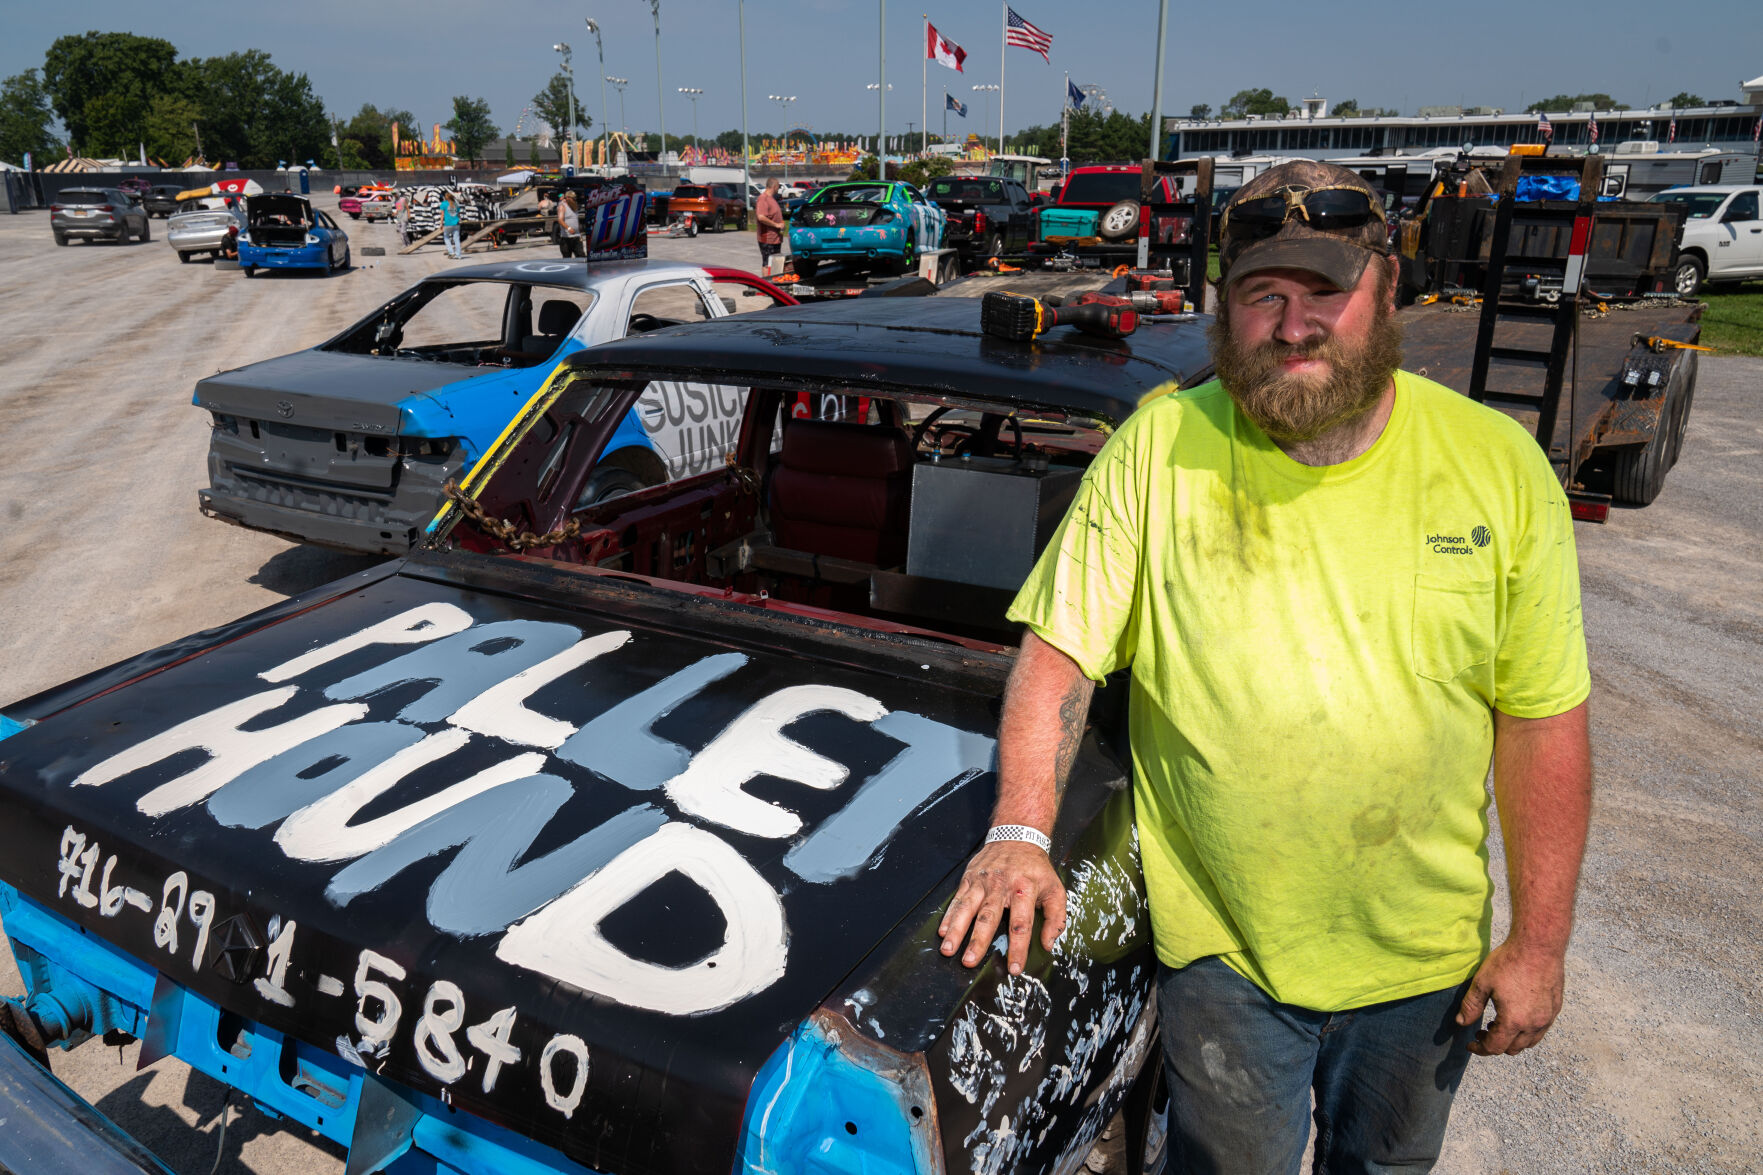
(249, 270)
(1683, 378)
(1118, 222)
(184, 257)
(147, 230)
(609, 482)
(806, 267)
(1146, 1118)
(348, 259)
(743, 224)
(61, 240)
(1688, 276)
(909, 255)
(355, 216)
(1637, 475)
(716, 225)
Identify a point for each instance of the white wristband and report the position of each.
(1020, 832)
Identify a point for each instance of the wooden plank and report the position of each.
(413, 246)
(516, 222)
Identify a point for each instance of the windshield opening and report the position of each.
(1698, 205)
(971, 190)
(1101, 187)
(852, 194)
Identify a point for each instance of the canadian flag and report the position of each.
(941, 51)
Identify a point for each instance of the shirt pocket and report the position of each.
(1453, 625)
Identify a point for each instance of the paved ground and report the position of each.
(1657, 1063)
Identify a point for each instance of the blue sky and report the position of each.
(416, 54)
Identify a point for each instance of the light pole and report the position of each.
(570, 119)
(694, 94)
(605, 142)
(989, 91)
(881, 140)
(660, 106)
(746, 174)
(619, 84)
(784, 101)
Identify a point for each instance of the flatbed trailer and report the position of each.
(835, 280)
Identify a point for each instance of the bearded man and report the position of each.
(1343, 592)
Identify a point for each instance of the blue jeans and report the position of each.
(1242, 1068)
(451, 235)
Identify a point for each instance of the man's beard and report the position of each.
(1292, 407)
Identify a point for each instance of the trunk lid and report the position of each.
(480, 808)
(327, 389)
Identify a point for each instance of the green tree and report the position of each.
(1683, 99)
(532, 153)
(353, 153)
(552, 105)
(26, 120)
(921, 171)
(1200, 110)
(865, 169)
(1260, 101)
(1564, 103)
(729, 141)
(170, 127)
(471, 126)
(371, 128)
(257, 114)
(1348, 108)
(101, 85)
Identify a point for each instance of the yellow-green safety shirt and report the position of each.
(1316, 654)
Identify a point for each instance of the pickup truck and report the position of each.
(1095, 219)
(1722, 235)
(615, 838)
(988, 217)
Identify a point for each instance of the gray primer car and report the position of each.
(107, 214)
(203, 226)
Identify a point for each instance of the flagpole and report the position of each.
(945, 114)
(1065, 123)
(1002, 50)
(1157, 84)
(924, 86)
(881, 95)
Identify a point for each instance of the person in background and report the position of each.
(450, 225)
(401, 217)
(569, 227)
(770, 214)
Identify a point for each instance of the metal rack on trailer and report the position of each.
(1572, 336)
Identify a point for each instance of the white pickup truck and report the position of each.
(1722, 235)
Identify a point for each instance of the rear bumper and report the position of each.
(51, 1129)
(87, 228)
(305, 257)
(390, 530)
(198, 240)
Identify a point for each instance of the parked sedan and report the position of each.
(204, 225)
(867, 224)
(287, 232)
(98, 214)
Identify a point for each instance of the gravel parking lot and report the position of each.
(1657, 1062)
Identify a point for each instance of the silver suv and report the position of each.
(98, 213)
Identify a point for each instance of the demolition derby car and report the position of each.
(348, 444)
(287, 232)
(866, 224)
(614, 838)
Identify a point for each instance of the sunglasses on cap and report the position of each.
(1323, 209)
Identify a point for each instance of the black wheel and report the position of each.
(147, 230)
(1683, 379)
(1687, 278)
(806, 267)
(743, 221)
(184, 257)
(716, 223)
(609, 482)
(250, 270)
(1146, 1117)
(61, 240)
(1637, 475)
(1120, 221)
(995, 245)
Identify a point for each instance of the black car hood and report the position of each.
(327, 389)
(650, 849)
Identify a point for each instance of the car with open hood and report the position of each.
(865, 224)
(284, 231)
(348, 444)
(615, 838)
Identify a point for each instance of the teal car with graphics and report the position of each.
(865, 224)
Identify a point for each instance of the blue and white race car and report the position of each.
(865, 224)
(283, 231)
(350, 444)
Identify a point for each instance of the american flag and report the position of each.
(1671, 135)
(1019, 32)
(1543, 127)
(1592, 126)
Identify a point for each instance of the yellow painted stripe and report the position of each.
(497, 454)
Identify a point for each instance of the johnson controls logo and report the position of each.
(1456, 544)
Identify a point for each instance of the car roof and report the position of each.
(1720, 188)
(566, 273)
(927, 344)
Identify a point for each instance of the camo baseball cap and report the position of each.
(1339, 255)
